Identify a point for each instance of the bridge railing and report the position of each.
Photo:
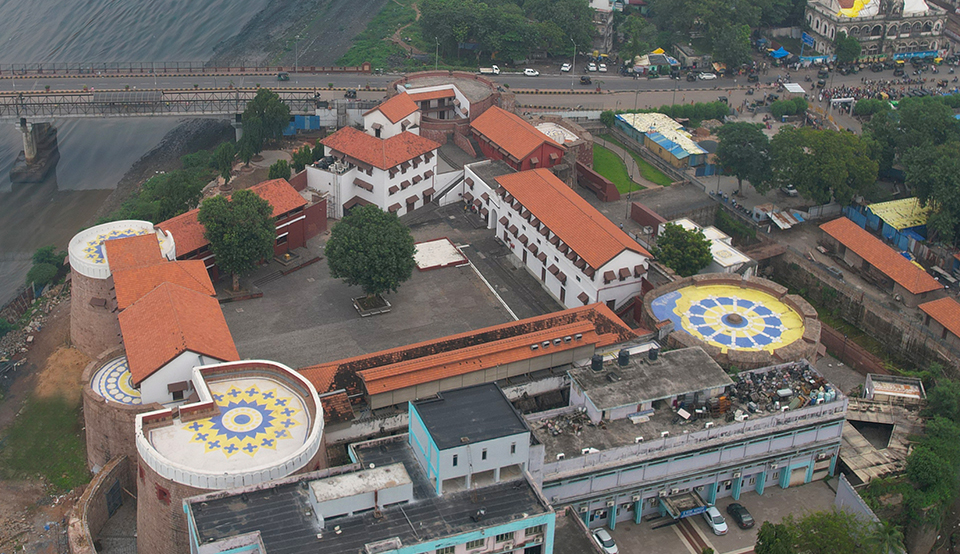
(154, 68)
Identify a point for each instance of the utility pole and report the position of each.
(436, 59)
(296, 56)
(573, 71)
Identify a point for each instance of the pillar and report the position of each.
(712, 493)
(833, 464)
(761, 481)
(238, 126)
(469, 475)
(737, 483)
(496, 475)
(637, 511)
(612, 517)
(586, 517)
(785, 476)
(29, 141)
(809, 476)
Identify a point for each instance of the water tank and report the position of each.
(623, 357)
(596, 362)
(653, 354)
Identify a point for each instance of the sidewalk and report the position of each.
(628, 161)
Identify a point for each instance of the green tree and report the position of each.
(686, 252)
(223, 158)
(933, 173)
(774, 538)
(944, 400)
(731, 45)
(241, 231)
(847, 48)
(372, 249)
(744, 151)
(5, 327)
(639, 36)
(41, 274)
(823, 165)
(279, 170)
(885, 538)
(927, 469)
(49, 255)
(264, 120)
(302, 158)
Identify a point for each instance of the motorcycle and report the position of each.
(807, 79)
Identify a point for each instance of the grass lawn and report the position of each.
(608, 164)
(46, 440)
(649, 172)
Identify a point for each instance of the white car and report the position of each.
(603, 68)
(605, 541)
(790, 190)
(706, 76)
(531, 72)
(565, 68)
(592, 67)
(715, 521)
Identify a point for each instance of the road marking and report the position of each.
(701, 535)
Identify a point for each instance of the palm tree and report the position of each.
(885, 538)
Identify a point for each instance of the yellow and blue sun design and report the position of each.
(114, 382)
(93, 251)
(730, 317)
(249, 420)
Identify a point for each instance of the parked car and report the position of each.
(740, 515)
(707, 76)
(585, 80)
(606, 542)
(565, 68)
(790, 190)
(531, 72)
(592, 67)
(603, 68)
(715, 521)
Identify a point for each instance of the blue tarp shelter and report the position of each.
(779, 53)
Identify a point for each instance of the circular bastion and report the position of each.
(742, 322)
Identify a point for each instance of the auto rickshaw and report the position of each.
(351, 93)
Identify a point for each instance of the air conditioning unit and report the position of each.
(578, 336)
(664, 434)
(611, 503)
(708, 425)
(506, 546)
(560, 456)
(557, 341)
(736, 475)
(637, 440)
(546, 344)
(663, 494)
(727, 483)
(674, 491)
(635, 498)
(567, 338)
(534, 346)
(535, 540)
(821, 456)
(582, 509)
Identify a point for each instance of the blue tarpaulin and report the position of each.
(779, 53)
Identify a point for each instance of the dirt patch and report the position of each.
(61, 375)
(326, 27)
(31, 519)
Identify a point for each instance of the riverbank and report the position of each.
(189, 136)
(326, 29)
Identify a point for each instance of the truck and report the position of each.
(492, 70)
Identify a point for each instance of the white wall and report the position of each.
(470, 456)
(388, 128)
(154, 388)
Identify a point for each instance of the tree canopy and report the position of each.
(847, 48)
(223, 159)
(241, 231)
(279, 170)
(263, 120)
(686, 252)
(829, 532)
(744, 151)
(823, 165)
(370, 248)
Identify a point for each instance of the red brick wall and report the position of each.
(316, 219)
(464, 144)
(435, 135)
(295, 233)
(93, 329)
(161, 523)
(605, 190)
(299, 181)
(645, 216)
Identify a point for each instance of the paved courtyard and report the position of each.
(692, 534)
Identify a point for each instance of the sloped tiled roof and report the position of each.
(946, 312)
(381, 153)
(169, 321)
(396, 107)
(133, 284)
(510, 132)
(431, 95)
(131, 252)
(578, 224)
(336, 408)
(465, 352)
(880, 256)
(188, 232)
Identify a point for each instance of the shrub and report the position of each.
(41, 274)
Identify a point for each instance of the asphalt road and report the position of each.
(557, 81)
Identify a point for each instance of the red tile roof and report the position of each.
(396, 107)
(946, 312)
(471, 351)
(188, 232)
(336, 408)
(578, 224)
(381, 153)
(133, 284)
(431, 95)
(281, 195)
(880, 256)
(169, 321)
(510, 132)
(133, 252)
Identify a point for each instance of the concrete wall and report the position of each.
(90, 513)
(93, 329)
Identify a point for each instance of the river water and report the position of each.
(95, 153)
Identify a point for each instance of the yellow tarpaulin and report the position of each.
(902, 214)
(659, 51)
(855, 10)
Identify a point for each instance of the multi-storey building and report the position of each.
(895, 27)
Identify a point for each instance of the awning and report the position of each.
(477, 202)
(428, 174)
(468, 197)
(417, 179)
(533, 248)
(562, 277)
(638, 271)
(484, 212)
(413, 199)
(468, 181)
(525, 214)
(363, 184)
(394, 208)
(563, 248)
(377, 126)
(405, 184)
(393, 189)
(535, 222)
(429, 191)
(571, 255)
(504, 220)
(544, 230)
(609, 276)
(485, 196)
(589, 272)
(580, 263)
(523, 239)
(534, 160)
(179, 386)
(356, 200)
(553, 269)
(624, 273)
(405, 165)
(583, 297)
(554, 240)
(794, 88)
(513, 230)
(554, 157)
(542, 257)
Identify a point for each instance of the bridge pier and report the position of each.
(238, 125)
(40, 154)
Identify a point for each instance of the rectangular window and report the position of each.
(454, 460)
(446, 550)
(513, 448)
(282, 240)
(504, 537)
(475, 544)
(178, 395)
(483, 454)
(535, 530)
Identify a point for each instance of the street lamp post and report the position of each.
(436, 60)
(296, 55)
(573, 71)
(636, 94)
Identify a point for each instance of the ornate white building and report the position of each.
(881, 26)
